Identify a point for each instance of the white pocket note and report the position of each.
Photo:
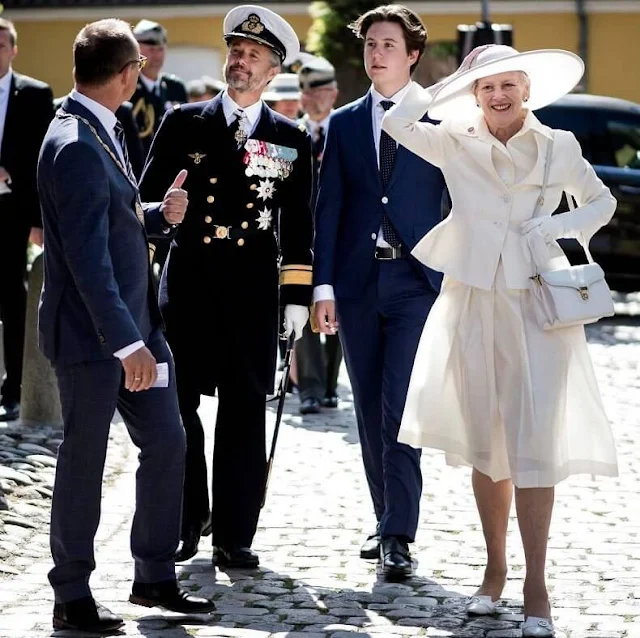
(163, 375)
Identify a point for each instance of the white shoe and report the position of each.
(481, 606)
(534, 627)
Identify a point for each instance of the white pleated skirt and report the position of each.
(493, 390)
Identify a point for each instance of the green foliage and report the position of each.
(330, 36)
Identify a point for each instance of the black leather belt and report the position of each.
(389, 252)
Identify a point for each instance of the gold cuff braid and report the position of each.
(298, 274)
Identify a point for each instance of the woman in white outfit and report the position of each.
(489, 386)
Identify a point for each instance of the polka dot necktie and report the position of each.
(388, 149)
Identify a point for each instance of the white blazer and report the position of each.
(485, 219)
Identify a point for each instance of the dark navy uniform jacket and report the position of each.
(149, 108)
(244, 248)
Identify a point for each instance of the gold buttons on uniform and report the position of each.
(213, 180)
(240, 242)
(245, 225)
(211, 199)
(208, 219)
(249, 205)
(253, 187)
(207, 240)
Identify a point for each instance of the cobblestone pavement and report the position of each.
(312, 584)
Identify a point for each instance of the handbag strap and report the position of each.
(572, 206)
(545, 179)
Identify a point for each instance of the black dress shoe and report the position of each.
(370, 550)
(237, 557)
(189, 547)
(311, 405)
(190, 541)
(330, 401)
(9, 411)
(84, 614)
(169, 595)
(395, 559)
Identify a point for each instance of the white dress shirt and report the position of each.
(313, 126)
(251, 113)
(108, 120)
(5, 89)
(105, 116)
(152, 86)
(325, 291)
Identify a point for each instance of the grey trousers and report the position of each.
(89, 393)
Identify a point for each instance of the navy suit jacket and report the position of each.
(97, 296)
(350, 202)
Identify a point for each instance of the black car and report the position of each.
(608, 130)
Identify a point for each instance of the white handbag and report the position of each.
(573, 295)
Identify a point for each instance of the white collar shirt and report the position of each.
(514, 160)
(5, 90)
(314, 126)
(251, 113)
(106, 117)
(152, 86)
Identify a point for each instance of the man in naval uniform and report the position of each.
(318, 364)
(243, 250)
(156, 91)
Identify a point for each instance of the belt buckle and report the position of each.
(222, 232)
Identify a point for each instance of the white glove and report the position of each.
(295, 319)
(549, 227)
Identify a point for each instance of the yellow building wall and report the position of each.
(613, 55)
(46, 47)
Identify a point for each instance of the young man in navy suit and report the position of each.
(375, 201)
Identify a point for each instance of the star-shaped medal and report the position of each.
(266, 190)
(264, 219)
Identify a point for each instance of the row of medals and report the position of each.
(264, 166)
(260, 164)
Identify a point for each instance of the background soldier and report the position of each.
(283, 95)
(26, 108)
(249, 186)
(156, 91)
(204, 88)
(317, 366)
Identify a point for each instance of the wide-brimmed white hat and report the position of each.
(552, 73)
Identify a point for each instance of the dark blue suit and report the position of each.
(381, 305)
(97, 298)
